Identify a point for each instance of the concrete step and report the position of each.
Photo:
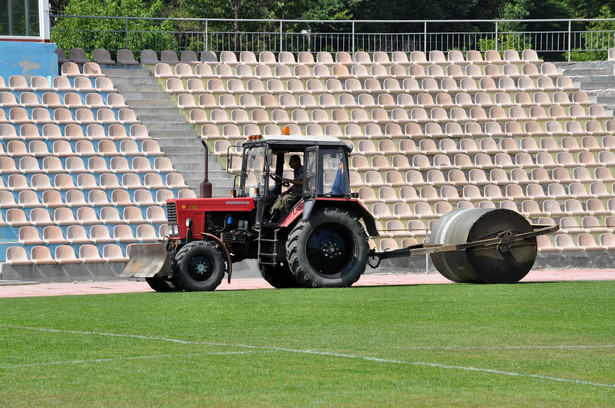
(140, 94)
(582, 72)
(163, 117)
(154, 103)
(169, 127)
(606, 100)
(179, 149)
(135, 83)
(177, 138)
(597, 85)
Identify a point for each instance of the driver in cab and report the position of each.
(285, 201)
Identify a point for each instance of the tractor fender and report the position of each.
(227, 254)
(352, 206)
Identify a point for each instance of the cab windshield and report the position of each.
(253, 181)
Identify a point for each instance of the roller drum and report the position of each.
(492, 264)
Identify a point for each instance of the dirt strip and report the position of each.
(10, 289)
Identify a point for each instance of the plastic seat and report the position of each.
(102, 56)
(27, 165)
(16, 217)
(592, 225)
(28, 235)
(564, 243)
(607, 241)
(163, 195)
(39, 83)
(65, 254)
(61, 216)
(28, 199)
(126, 57)
(89, 254)
(423, 210)
(97, 198)
(113, 253)
(27, 100)
(110, 215)
(99, 234)
(17, 255)
(132, 215)
(146, 233)
(41, 255)
(143, 197)
(40, 182)
(156, 215)
(87, 216)
(122, 234)
(131, 181)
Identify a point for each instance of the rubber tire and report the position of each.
(161, 284)
(279, 276)
(195, 255)
(312, 245)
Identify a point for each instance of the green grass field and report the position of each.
(523, 345)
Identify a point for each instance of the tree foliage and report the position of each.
(86, 32)
(599, 36)
(156, 34)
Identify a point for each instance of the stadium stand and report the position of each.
(431, 132)
(509, 115)
(57, 149)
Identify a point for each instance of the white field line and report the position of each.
(109, 360)
(551, 347)
(331, 354)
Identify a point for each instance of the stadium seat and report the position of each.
(89, 254)
(113, 253)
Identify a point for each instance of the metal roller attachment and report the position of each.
(503, 259)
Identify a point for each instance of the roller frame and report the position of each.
(503, 241)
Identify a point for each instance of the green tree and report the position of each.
(112, 34)
(599, 38)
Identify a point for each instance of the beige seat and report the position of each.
(89, 254)
(65, 254)
(87, 216)
(99, 234)
(29, 235)
(146, 233)
(17, 255)
(123, 234)
(133, 215)
(110, 216)
(113, 253)
(564, 243)
(41, 255)
(16, 217)
(62, 216)
(40, 217)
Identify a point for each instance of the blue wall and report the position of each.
(27, 59)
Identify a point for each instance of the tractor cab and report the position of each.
(265, 166)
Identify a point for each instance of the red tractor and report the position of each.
(323, 240)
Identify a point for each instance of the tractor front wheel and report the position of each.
(328, 250)
(200, 266)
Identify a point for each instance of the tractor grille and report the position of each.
(171, 213)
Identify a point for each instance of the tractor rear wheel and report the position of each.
(279, 276)
(328, 250)
(200, 266)
(161, 284)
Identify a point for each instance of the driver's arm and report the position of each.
(293, 182)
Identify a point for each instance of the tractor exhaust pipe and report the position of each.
(206, 185)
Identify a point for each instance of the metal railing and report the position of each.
(553, 39)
